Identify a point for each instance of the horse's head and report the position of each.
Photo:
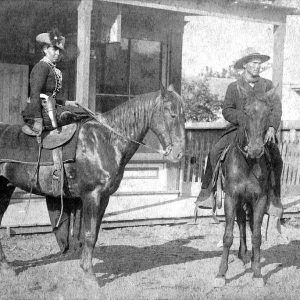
(257, 109)
(167, 123)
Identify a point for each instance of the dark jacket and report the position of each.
(42, 80)
(234, 104)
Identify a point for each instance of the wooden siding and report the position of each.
(13, 92)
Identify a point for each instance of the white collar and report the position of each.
(48, 61)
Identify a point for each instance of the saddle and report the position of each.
(56, 147)
(218, 178)
(58, 137)
(54, 140)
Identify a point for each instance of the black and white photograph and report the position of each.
(149, 149)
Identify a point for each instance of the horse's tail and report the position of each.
(195, 213)
(267, 227)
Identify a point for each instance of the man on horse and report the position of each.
(233, 112)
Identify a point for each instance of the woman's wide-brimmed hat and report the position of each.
(249, 54)
(53, 38)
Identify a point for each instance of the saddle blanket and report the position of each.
(15, 146)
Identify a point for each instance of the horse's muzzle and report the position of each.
(256, 153)
(168, 150)
(171, 155)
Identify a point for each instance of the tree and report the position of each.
(200, 103)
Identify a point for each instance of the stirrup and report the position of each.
(56, 182)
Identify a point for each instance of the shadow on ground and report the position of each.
(284, 255)
(123, 260)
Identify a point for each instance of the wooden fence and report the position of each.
(155, 202)
(201, 137)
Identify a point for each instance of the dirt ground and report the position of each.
(159, 262)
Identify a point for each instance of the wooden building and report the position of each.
(116, 49)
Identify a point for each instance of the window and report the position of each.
(125, 69)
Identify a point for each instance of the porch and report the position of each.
(117, 49)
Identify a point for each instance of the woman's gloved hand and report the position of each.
(71, 103)
(38, 126)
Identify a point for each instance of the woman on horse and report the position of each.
(46, 107)
(233, 112)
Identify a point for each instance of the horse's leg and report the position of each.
(6, 192)
(229, 207)
(93, 210)
(62, 232)
(76, 228)
(258, 215)
(250, 216)
(241, 220)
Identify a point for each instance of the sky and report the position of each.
(217, 42)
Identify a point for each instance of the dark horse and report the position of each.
(247, 173)
(101, 156)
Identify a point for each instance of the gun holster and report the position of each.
(49, 105)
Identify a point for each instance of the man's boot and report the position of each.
(275, 206)
(206, 199)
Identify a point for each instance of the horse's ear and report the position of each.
(171, 88)
(162, 90)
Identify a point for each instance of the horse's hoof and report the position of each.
(91, 282)
(282, 239)
(220, 244)
(258, 282)
(7, 271)
(219, 282)
(231, 259)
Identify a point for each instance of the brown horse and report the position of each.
(247, 173)
(101, 156)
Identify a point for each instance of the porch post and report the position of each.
(83, 44)
(176, 39)
(278, 55)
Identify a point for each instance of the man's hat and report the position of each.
(52, 38)
(247, 55)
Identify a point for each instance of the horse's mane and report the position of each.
(249, 101)
(132, 114)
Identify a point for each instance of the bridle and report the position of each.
(245, 152)
(170, 144)
(165, 152)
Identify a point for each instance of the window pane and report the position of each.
(106, 103)
(145, 66)
(112, 74)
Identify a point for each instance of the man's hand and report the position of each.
(270, 135)
(71, 103)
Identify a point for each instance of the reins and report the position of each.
(94, 117)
